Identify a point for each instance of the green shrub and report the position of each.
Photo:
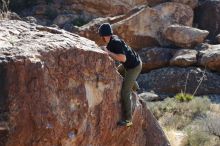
(177, 122)
(183, 113)
(199, 137)
(182, 97)
(192, 117)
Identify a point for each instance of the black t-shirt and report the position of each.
(118, 46)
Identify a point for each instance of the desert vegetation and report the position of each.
(196, 119)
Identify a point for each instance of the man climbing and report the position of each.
(130, 68)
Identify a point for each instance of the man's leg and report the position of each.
(122, 71)
(129, 80)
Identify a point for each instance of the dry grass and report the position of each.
(176, 138)
(188, 123)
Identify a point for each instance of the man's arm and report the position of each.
(117, 57)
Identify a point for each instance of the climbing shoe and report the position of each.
(126, 123)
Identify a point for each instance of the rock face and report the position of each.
(184, 36)
(184, 58)
(208, 17)
(191, 3)
(143, 27)
(172, 80)
(99, 8)
(62, 19)
(106, 7)
(210, 57)
(148, 96)
(154, 58)
(155, 2)
(59, 89)
(151, 22)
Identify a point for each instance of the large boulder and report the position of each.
(184, 58)
(148, 96)
(151, 23)
(155, 2)
(210, 57)
(86, 9)
(173, 80)
(192, 3)
(154, 58)
(96, 7)
(184, 36)
(208, 17)
(62, 19)
(58, 88)
(143, 26)
(104, 7)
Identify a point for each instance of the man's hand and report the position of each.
(117, 57)
(104, 49)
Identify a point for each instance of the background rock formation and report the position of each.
(154, 58)
(58, 88)
(184, 36)
(192, 3)
(147, 32)
(172, 80)
(210, 57)
(184, 58)
(208, 17)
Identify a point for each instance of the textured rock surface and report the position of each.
(151, 22)
(148, 96)
(208, 17)
(191, 3)
(60, 20)
(106, 7)
(96, 7)
(90, 30)
(184, 58)
(143, 27)
(184, 36)
(210, 57)
(172, 80)
(154, 58)
(156, 2)
(59, 89)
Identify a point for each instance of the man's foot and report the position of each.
(126, 123)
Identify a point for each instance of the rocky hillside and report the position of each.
(58, 88)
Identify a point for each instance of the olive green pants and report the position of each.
(129, 83)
